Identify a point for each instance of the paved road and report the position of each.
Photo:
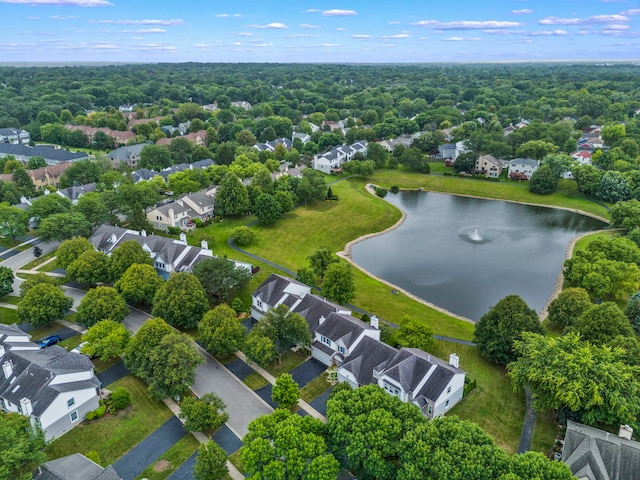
(22, 258)
(144, 454)
(243, 405)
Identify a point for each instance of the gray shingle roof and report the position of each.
(72, 193)
(49, 152)
(340, 327)
(74, 467)
(124, 153)
(368, 355)
(272, 289)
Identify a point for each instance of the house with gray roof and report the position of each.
(271, 146)
(332, 160)
(74, 467)
(52, 154)
(593, 454)
(14, 135)
(522, 168)
(354, 346)
(75, 192)
(128, 156)
(53, 387)
(181, 212)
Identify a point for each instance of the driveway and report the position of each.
(265, 394)
(64, 332)
(185, 471)
(320, 402)
(113, 374)
(149, 449)
(239, 368)
(307, 371)
(227, 440)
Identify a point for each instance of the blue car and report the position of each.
(50, 340)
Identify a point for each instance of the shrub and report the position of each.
(94, 457)
(238, 306)
(380, 191)
(119, 399)
(395, 189)
(174, 230)
(98, 412)
(198, 223)
(242, 236)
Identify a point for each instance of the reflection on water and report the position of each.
(465, 254)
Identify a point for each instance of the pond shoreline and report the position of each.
(346, 253)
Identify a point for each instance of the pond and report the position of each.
(465, 254)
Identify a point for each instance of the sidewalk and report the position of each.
(272, 380)
(202, 438)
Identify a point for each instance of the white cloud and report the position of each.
(467, 24)
(361, 37)
(399, 35)
(313, 10)
(394, 22)
(227, 15)
(274, 25)
(309, 26)
(616, 27)
(164, 23)
(329, 45)
(244, 34)
(153, 47)
(548, 33)
(33, 18)
(523, 11)
(595, 19)
(336, 12)
(631, 12)
(105, 46)
(62, 17)
(146, 30)
(462, 39)
(341, 29)
(299, 35)
(75, 3)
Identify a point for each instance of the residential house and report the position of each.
(331, 161)
(355, 347)
(48, 176)
(271, 146)
(489, 166)
(447, 133)
(52, 154)
(53, 387)
(120, 137)
(593, 454)
(181, 129)
(522, 168)
(242, 104)
(168, 255)
(14, 135)
(449, 152)
(75, 192)
(136, 121)
(410, 374)
(127, 107)
(303, 137)
(128, 156)
(199, 138)
(143, 174)
(74, 467)
(182, 212)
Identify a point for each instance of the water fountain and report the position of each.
(475, 236)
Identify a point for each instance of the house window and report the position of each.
(446, 404)
(341, 349)
(71, 402)
(74, 416)
(159, 218)
(429, 409)
(160, 265)
(449, 389)
(391, 389)
(325, 340)
(259, 303)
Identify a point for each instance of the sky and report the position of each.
(359, 31)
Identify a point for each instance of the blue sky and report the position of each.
(318, 31)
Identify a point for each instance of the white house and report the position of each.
(522, 168)
(332, 160)
(354, 346)
(14, 135)
(51, 386)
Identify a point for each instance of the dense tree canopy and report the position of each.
(21, 448)
(220, 331)
(181, 300)
(101, 303)
(203, 414)
(42, 304)
(139, 284)
(71, 249)
(220, 277)
(126, 254)
(338, 283)
(106, 339)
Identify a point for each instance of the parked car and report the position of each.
(50, 340)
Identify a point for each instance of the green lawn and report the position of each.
(175, 456)
(255, 381)
(101, 366)
(114, 435)
(567, 195)
(10, 299)
(38, 333)
(290, 360)
(38, 261)
(314, 388)
(8, 316)
(7, 242)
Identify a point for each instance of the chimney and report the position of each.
(454, 360)
(25, 406)
(7, 369)
(114, 238)
(625, 432)
(321, 320)
(204, 244)
(374, 322)
(183, 237)
(143, 232)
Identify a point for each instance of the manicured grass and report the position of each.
(49, 267)
(101, 366)
(544, 433)
(567, 195)
(290, 360)
(38, 333)
(584, 242)
(438, 167)
(10, 299)
(235, 459)
(314, 388)
(176, 456)
(8, 316)
(493, 405)
(114, 435)
(71, 343)
(255, 381)
(7, 242)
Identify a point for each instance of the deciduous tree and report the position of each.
(204, 414)
(287, 446)
(220, 331)
(36, 279)
(6, 281)
(91, 267)
(568, 306)
(101, 303)
(414, 334)
(126, 254)
(286, 391)
(13, 221)
(338, 283)
(21, 448)
(107, 339)
(267, 209)
(220, 277)
(321, 259)
(71, 249)
(211, 462)
(63, 226)
(600, 323)
(139, 284)
(502, 325)
(181, 301)
(43, 304)
(232, 197)
(146, 339)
